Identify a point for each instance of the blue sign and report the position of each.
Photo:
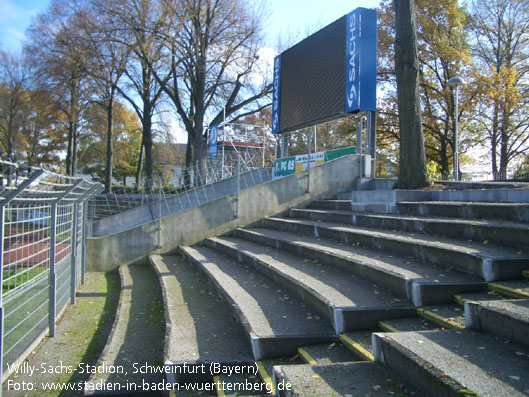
(276, 103)
(213, 136)
(361, 61)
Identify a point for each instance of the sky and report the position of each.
(294, 18)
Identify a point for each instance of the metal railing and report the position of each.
(189, 187)
(112, 213)
(42, 253)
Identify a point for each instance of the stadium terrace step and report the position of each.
(477, 297)
(266, 368)
(455, 363)
(347, 301)
(507, 319)
(448, 316)
(488, 262)
(515, 212)
(198, 328)
(517, 289)
(420, 282)
(408, 324)
(275, 321)
(344, 379)
(503, 233)
(348, 205)
(326, 354)
(136, 336)
(358, 343)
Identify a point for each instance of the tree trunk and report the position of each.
(188, 161)
(147, 142)
(139, 168)
(69, 149)
(504, 148)
(494, 142)
(110, 151)
(413, 173)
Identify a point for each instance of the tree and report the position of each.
(105, 42)
(443, 51)
(501, 46)
(213, 51)
(14, 105)
(142, 20)
(126, 138)
(55, 64)
(412, 160)
(44, 140)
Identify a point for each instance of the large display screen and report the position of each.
(327, 75)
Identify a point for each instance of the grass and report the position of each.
(81, 335)
(13, 278)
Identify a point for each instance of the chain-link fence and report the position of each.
(42, 253)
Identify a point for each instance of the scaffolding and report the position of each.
(244, 143)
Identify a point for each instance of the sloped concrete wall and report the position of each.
(219, 216)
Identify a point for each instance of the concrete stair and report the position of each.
(335, 301)
(489, 231)
(514, 212)
(451, 363)
(347, 301)
(487, 262)
(276, 322)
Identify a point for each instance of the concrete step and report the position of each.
(275, 321)
(446, 316)
(418, 281)
(199, 330)
(348, 205)
(486, 231)
(517, 289)
(482, 296)
(345, 379)
(455, 363)
(384, 196)
(266, 369)
(507, 319)
(347, 301)
(515, 212)
(137, 334)
(408, 324)
(326, 354)
(359, 343)
(489, 262)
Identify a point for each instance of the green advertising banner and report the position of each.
(290, 165)
(336, 153)
(284, 167)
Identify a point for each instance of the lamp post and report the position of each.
(455, 82)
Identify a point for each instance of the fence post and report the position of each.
(83, 241)
(238, 185)
(52, 276)
(160, 214)
(75, 221)
(308, 158)
(2, 216)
